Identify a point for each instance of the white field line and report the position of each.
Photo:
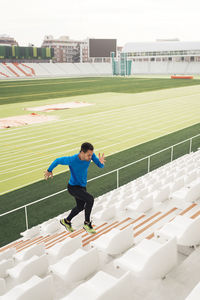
(73, 149)
(66, 127)
(132, 123)
(71, 138)
(7, 153)
(74, 119)
(123, 149)
(6, 150)
(97, 120)
(167, 99)
(19, 175)
(74, 143)
(31, 161)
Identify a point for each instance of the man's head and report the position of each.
(86, 151)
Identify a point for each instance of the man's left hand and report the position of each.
(102, 158)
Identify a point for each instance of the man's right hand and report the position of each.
(48, 174)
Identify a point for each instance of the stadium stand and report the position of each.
(145, 239)
(38, 70)
(165, 67)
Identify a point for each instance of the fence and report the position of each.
(148, 158)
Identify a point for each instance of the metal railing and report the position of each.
(105, 174)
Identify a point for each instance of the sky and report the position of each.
(125, 20)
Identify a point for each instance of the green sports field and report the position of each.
(125, 113)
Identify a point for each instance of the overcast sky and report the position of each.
(28, 21)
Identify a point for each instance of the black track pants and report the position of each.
(83, 201)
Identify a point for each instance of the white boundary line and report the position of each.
(110, 155)
(102, 112)
(63, 130)
(107, 134)
(135, 122)
(96, 150)
(98, 124)
(86, 122)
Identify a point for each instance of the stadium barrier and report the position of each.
(148, 158)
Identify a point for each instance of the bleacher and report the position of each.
(40, 70)
(146, 245)
(168, 67)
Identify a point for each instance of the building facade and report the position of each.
(163, 51)
(5, 40)
(67, 50)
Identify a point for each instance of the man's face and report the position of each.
(87, 155)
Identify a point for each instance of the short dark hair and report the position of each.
(86, 146)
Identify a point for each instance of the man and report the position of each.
(78, 165)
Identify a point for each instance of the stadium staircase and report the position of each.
(46, 70)
(146, 243)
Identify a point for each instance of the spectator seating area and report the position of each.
(147, 243)
(165, 67)
(39, 70)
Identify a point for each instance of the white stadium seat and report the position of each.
(28, 234)
(141, 205)
(149, 259)
(177, 184)
(188, 193)
(64, 248)
(50, 227)
(2, 287)
(8, 253)
(76, 266)
(162, 194)
(185, 229)
(5, 265)
(37, 249)
(103, 286)
(26, 269)
(105, 214)
(33, 289)
(115, 241)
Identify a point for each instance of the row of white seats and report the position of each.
(184, 229)
(54, 69)
(144, 200)
(34, 288)
(157, 186)
(101, 286)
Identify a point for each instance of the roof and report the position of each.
(160, 46)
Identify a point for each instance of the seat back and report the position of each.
(162, 261)
(120, 289)
(86, 264)
(121, 241)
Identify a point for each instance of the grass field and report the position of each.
(125, 113)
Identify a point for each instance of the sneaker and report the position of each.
(88, 227)
(67, 226)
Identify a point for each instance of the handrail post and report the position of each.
(149, 162)
(172, 152)
(190, 146)
(26, 216)
(117, 178)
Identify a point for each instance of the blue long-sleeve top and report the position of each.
(78, 168)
